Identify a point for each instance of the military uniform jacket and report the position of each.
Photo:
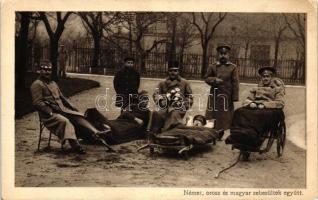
(271, 96)
(222, 95)
(47, 98)
(165, 86)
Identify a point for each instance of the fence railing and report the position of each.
(79, 60)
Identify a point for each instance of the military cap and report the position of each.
(267, 68)
(44, 64)
(200, 118)
(129, 58)
(173, 65)
(223, 48)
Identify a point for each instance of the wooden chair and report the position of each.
(42, 127)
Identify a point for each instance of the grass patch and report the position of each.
(68, 86)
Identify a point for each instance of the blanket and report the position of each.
(250, 126)
(123, 129)
(192, 135)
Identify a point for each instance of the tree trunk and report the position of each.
(142, 62)
(53, 57)
(204, 59)
(142, 56)
(21, 50)
(277, 41)
(172, 50)
(130, 40)
(181, 52)
(245, 57)
(96, 55)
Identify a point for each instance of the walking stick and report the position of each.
(223, 170)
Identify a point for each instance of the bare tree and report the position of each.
(247, 29)
(35, 20)
(54, 35)
(96, 23)
(276, 27)
(171, 23)
(21, 44)
(206, 24)
(186, 35)
(138, 25)
(296, 23)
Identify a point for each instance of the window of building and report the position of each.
(260, 54)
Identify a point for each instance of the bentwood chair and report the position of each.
(42, 127)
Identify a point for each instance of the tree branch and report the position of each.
(221, 18)
(47, 24)
(198, 27)
(154, 44)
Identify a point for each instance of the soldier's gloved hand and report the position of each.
(139, 121)
(261, 106)
(218, 81)
(253, 105)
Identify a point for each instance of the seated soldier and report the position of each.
(269, 93)
(58, 114)
(173, 97)
(261, 111)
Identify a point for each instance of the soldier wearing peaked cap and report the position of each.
(223, 48)
(222, 76)
(58, 114)
(261, 112)
(269, 93)
(173, 96)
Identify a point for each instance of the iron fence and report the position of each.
(79, 60)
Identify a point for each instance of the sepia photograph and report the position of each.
(162, 99)
(250, 66)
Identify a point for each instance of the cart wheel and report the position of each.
(185, 155)
(245, 155)
(281, 141)
(152, 150)
(270, 142)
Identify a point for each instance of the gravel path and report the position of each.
(129, 168)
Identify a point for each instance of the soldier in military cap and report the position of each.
(173, 96)
(62, 61)
(222, 76)
(58, 114)
(269, 93)
(126, 83)
(261, 111)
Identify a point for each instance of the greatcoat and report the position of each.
(47, 98)
(271, 96)
(222, 95)
(126, 82)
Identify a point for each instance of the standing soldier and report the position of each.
(62, 61)
(222, 76)
(126, 83)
